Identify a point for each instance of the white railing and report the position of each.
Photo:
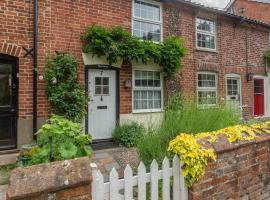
(135, 187)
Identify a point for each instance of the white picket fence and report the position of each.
(123, 189)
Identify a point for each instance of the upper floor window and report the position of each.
(205, 34)
(147, 20)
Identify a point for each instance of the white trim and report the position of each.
(210, 89)
(160, 22)
(236, 76)
(206, 33)
(161, 88)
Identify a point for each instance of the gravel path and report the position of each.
(117, 158)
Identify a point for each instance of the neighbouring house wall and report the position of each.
(62, 22)
(242, 171)
(252, 9)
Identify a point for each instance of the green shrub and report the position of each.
(116, 42)
(66, 139)
(182, 117)
(128, 134)
(62, 89)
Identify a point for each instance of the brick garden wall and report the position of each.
(62, 180)
(242, 171)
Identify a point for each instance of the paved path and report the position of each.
(117, 158)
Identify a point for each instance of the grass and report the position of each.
(188, 119)
(5, 173)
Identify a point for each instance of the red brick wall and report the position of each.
(62, 22)
(240, 172)
(253, 9)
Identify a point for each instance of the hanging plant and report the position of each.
(118, 43)
(62, 89)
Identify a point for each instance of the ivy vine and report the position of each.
(117, 43)
(268, 58)
(62, 89)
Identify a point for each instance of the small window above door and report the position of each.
(102, 86)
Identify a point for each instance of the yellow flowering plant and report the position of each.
(195, 157)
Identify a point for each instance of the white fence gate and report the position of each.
(123, 189)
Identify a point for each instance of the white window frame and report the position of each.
(206, 33)
(206, 89)
(160, 22)
(134, 88)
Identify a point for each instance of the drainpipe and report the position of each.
(35, 70)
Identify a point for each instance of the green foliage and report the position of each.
(117, 43)
(171, 54)
(68, 141)
(128, 134)
(268, 58)
(64, 92)
(182, 117)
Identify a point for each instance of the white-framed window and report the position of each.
(206, 89)
(205, 34)
(147, 20)
(147, 91)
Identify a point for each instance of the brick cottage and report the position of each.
(225, 60)
(255, 9)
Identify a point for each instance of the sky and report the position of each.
(213, 3)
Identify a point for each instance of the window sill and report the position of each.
(207, 50)
(147, 111)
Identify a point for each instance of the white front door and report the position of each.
(102, 103)
(234, 92)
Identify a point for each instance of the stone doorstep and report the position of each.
(6, 159)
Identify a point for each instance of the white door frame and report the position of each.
(117, 100)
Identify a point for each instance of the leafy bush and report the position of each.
(118, 43)
(182, 117)
(64, 92)
(128, 134)
(66, 139)
(268, 58)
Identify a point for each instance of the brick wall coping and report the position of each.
(222, 144)
(48, 178)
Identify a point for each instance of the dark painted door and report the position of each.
(8, 103)
(258, 97)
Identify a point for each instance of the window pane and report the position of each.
(98, 90)
(205, 25)
(105, 81)
(147, 11)
(98, 81)
(206, 80)
(105, 90)
(5, 84)
(147, 31)
(147, 100)
(207, 97)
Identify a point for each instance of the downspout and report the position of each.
(35, 70)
